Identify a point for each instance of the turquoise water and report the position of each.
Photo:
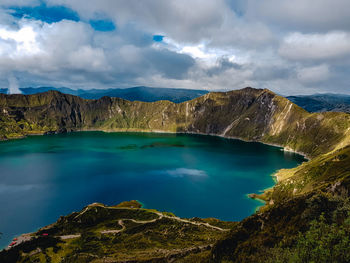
(44, 177)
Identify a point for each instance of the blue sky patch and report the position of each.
(104, 25)
(44, 13)
(158, 38)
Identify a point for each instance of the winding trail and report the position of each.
(28, 237)
(161, 215)
(69, 236)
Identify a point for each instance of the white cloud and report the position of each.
(298, 46)
(301, 15)
(313, 74)
(204, 54)
(40, 46)
(185, 20)
(88, 58)
(287, 46)
(23, 39)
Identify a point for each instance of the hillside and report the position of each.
(301, 195)
(249, 114)
(122, 233)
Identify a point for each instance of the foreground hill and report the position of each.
(323, 102)
(122, 233)
(299, 198)
(141, 93)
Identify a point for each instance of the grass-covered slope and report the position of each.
(249, 114)
(280, 231)
(301, 195)
(313, 227)
(122, 233)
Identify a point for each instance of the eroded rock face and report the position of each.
(250, 114)
(302, 193)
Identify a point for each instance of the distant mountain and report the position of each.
(145, 94)
(141, 93)
(323, 102)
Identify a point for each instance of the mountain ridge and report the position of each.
(318, 102)
(248, 114)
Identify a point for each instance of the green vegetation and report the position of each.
(310, 228)
(306, 216)
(130, 204)
(249, 114)
(323, 243)
(118, 234)
(326, 240)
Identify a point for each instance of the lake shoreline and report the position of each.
(136, 130)
(229, 147)
(283, 148)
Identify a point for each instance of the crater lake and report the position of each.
(44, 177)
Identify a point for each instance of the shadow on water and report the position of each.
(152, 145)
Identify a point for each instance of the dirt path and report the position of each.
(161, 215)
(69, 236)
(28, 237)
(121, 223)
(196, 223)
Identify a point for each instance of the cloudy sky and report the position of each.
(290, 47)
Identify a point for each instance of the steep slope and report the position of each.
(122, 233)
(300, 195)
(249, 114)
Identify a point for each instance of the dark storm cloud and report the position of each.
(222, 65)
(272, 73)
(170, 64)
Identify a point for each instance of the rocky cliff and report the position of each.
(248, 114)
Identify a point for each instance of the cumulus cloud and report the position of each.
(331, 45)
(23, 41)
(289, 47)
(313, 74)
(301, 15)
(183, 19)
(73, 51)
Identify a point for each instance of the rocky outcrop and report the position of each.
(249, 114)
